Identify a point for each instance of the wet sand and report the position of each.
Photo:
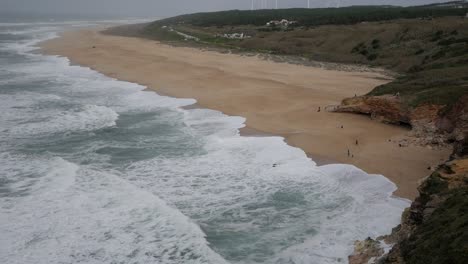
(276, 98)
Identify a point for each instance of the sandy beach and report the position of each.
(275, 98)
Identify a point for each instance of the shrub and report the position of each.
(438, 35)
(375, 44)
(372, 57)
(419, 51)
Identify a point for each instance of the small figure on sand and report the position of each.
(341, 126)
(357, 142)
(349, 153)
(318, 109)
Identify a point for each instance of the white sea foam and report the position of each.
(372, 213)
(76, 23)
(81, 215)
(207, 122)
(24, 47)
(88, 118)
(257, 199)
(274, 192)
(29, 31)
(82, 81)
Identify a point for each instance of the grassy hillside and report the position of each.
(313, 17)
(428, 45)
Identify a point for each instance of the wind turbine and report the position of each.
(338, 3)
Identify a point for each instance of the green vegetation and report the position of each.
(312, 17)
(433, 185)
(427, 45)
(161, 33)
(443, 237)
(434, 86)
(440, 78)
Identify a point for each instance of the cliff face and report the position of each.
(431, 123)
(435, 228)
(455, 121)
(386, 108)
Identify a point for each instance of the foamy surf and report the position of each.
(86, 118)
(99, 171)
(82, 215)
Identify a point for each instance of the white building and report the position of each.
(284, 23)
(235, 36)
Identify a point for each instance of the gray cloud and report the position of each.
(164, 8)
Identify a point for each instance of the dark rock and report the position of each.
(433, 230)
(365, 251)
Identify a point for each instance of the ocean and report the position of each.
(97, 170)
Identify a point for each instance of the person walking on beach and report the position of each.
(318, 109)
(349, 153)
(357, 142)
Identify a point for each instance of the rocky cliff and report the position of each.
(430, 123)
(435, 228)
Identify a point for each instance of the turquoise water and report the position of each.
(96, 170)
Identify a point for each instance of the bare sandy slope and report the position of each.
(275, 98)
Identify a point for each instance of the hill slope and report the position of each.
(431, 53)
(316, 16)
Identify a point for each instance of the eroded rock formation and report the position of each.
(435, 228)
(431, 124)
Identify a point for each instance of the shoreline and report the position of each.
(251, 132)
(275, 98)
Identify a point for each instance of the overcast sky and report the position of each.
(165, 8)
